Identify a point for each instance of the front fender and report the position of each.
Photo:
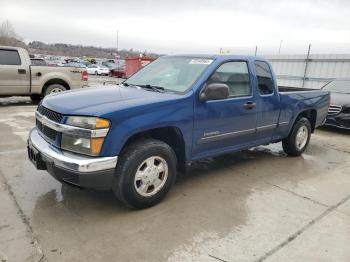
(179, 115)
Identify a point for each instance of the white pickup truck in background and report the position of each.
(18, 77)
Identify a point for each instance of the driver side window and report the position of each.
(235, 75)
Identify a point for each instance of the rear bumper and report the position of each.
(82, 171)
(340, 121)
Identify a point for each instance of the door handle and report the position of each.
(249, 105)
(22, 71)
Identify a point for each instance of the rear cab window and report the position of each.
(9, 57)
(264, 76)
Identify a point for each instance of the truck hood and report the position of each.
(103, 100)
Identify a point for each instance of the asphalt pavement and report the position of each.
(256, 205)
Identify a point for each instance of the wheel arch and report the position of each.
(311, 115)
(55, 81)
(170, 135)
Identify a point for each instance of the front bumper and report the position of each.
(341, 121)
(83, 171)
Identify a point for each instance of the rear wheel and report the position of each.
(54, 88)
(145, 173)
(298, 140)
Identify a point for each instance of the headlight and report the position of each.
(90, 144)
(87, 122)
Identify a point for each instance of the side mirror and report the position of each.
(214, 91)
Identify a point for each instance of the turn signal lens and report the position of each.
(101, 123)
(96, 145)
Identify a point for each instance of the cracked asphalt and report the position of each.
(256, 205)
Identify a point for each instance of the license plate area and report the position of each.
(35, 157)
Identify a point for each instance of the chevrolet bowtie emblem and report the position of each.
(44, 120)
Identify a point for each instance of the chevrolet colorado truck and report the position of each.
(19, 77)
(135, 137)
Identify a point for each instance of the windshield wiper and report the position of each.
(153, 88)
(126, 84)
(159, 89)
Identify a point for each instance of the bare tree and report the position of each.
(8, 35)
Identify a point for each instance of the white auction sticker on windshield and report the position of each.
(201, 62)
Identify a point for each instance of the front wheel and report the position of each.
(299, 138)
(145, 173)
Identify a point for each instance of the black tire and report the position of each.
(35, 98)
(54, 88)
(290, 144)
(124, 184)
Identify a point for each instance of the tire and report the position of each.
(54, 88)
(96, 73)
(139, 191)
(299, 138)
(35, 98)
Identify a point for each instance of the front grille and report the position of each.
(334, 109)
(46, 131)
(52, 115)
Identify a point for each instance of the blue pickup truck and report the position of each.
(133, 138)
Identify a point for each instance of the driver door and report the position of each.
(230, 123)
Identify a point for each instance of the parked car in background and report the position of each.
(339, 110)
(133, 138)
(97, 70)
(19, 77)
(56, 61)
(38, 62)
(75, 64)
(119, 73)
(115, 69)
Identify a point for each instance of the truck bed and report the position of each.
(293, 100)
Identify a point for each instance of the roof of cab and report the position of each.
(218, 56)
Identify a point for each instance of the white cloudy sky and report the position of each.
(183, 26)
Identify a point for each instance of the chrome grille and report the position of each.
(334, 109)
(45, 130)
(52, 115)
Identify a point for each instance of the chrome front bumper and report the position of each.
(69, 161)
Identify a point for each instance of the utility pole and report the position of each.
(306, 64)
(279, 50)
(117, 42)
(256, 50)
(118, 48)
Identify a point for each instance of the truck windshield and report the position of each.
(340, 86)
(176, 74)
